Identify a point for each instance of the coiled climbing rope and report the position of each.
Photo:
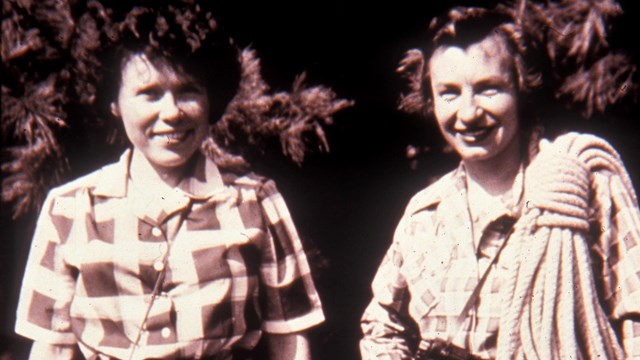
(553, 307)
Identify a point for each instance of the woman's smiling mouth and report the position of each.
(474, 135)
(175, 137)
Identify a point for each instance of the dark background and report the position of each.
(345, 203)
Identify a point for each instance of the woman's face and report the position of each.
(165, 111)
(474, 96)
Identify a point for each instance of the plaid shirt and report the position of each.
(232, 260)
(434, 264)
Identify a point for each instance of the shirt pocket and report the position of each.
(218, 254)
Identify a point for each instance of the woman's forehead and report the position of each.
(492, 49)
(143, 68)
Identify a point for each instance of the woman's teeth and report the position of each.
(175, 137)
(474, 135)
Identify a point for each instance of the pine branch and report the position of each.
(295, 118)
(605, 83)
(575, 36)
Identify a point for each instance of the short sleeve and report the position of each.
(290, 302)
(48, 284)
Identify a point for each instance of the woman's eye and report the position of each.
(448, 95)
(489, 92)
(151, 94)
(190, 90)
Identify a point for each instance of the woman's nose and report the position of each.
(469, 110)
(169, 110)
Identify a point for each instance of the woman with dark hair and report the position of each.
(166, 253)
(493, 260)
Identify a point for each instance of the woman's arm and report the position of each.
(383, 324)
(48, 285)
(384, 334)
(288, 346)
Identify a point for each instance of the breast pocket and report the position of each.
(216, 253)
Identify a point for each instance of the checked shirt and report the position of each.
(435, 262)
(232, 260)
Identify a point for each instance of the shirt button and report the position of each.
(158, 265)
(156, 232)
(166, 332)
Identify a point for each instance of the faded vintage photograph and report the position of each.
(185, 179)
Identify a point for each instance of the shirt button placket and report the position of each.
(159, 265)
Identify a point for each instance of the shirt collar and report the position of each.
(204, 181)
(455, 184)
(112, 181)
(452, 184)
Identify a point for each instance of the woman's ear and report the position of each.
(115, 109)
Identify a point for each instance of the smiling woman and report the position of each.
(493, 259)
(475, 103)
(167, 253)
(165, 113)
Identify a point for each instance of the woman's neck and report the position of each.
(146, 175)
(495, 175)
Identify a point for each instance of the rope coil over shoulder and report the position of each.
(551, 303)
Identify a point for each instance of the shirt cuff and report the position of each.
(294, 325)
(37, 333)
